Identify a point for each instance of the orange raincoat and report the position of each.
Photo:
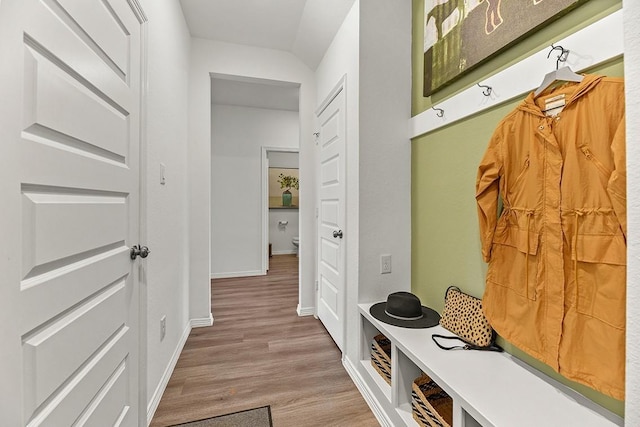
(556, 283)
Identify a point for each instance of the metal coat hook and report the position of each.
(439, 111)
(487, 89)
(564, 53)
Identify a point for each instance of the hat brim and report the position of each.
(429, 317)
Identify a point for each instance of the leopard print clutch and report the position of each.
(463, 316)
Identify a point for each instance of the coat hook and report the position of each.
(440, 111)
(487, 90)
(316, 134)
(564, 53)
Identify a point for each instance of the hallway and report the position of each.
(259, 352)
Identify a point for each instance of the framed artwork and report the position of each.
(284, 187)
(461, 34)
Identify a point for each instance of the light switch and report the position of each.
(162, 178)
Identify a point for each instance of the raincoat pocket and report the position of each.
(514, 261)
(521, 175)
(606, 172)
(599, 263)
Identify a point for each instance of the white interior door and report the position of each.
(69, 184)
(331, 218)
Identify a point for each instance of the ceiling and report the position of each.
(302, 27)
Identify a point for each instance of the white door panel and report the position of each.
(331, 218)
(69, 184)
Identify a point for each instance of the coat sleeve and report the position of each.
(488, 191)
(617, 185)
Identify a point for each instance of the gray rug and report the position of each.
(257, 417)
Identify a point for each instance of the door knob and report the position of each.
(139, 251)
(337, 234)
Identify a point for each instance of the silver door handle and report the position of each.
(139, 251)
(337, 234)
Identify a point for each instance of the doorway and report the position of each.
(246, 116)
(280, 203)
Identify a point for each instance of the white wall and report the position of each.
(281, 236)
(377, 65)
(166, 222)
(342, 58)
(237, 135)
(237, 60)
(631, 10)
(385, 149)
(283, 159)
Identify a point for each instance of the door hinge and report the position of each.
(316, 285)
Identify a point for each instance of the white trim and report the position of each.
(143, 345)
(202, 322)
(339, 87)
(366, 393)
(593, 45)
(285, 252)
(264, 162)
(233, 274)
(162, 385)
(305, 311)
(138, 11)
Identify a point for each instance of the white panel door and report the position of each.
(331, 218)
(69, 182)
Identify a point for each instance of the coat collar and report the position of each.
(590, 81)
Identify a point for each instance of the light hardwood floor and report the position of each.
(259, 352)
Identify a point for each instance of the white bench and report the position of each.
(488, 388)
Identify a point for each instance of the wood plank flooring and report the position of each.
(259, 352)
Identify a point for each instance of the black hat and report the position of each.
(404, 309)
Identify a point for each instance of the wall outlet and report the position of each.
(385, 264)
(163, 327)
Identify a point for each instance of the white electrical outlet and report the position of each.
(163, 327)
(385, 264)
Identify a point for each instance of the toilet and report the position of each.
(296, 242)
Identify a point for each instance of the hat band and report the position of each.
(403, 318)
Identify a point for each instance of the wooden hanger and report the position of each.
(562, 74)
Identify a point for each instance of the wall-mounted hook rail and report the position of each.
(487, 89)
(439, 111)
(564, 53)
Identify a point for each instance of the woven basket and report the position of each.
(431, 406)
(381, 356)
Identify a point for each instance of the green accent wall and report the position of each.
(445, 240)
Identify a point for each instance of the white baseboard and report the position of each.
(162, 385)
(305, 311)
(202, 322)
(366, 393)
(237, 274)
(285, 252)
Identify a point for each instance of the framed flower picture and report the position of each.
(284, 188)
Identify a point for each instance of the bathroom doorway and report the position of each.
(280, 202)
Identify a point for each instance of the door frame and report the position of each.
(146, 409)
(264, 164)
(340, 87)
